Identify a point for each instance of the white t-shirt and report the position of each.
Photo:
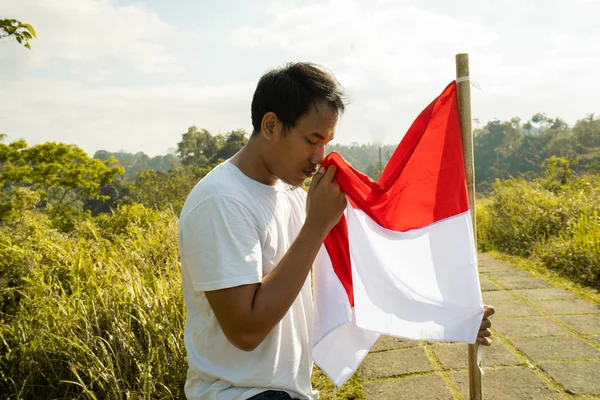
(233, 231)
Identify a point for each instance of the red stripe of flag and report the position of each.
(424, 182)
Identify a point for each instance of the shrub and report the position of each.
(554, 219)
(575, 253)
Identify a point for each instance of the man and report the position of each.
(248, 235)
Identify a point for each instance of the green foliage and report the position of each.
(199, 148)
(18, 30)
(229, 144)
(365, 157)
(164, 190)
(138, 162)
(553, 219)
(587, 132)
(97, 313)
(61, 175)
(505, 149)
(521, 213)
(575, 253)
(111, 195)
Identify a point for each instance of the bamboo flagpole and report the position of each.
(464, 110)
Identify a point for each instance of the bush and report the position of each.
(553, 219)
(576, 252)
(521, 214)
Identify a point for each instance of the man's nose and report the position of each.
(318, 155)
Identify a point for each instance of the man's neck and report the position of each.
(250, 162)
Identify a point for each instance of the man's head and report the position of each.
(295, 111)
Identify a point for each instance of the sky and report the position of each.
(122, 75)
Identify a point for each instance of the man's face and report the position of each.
(295, 156)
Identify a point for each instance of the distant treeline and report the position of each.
(503, 149)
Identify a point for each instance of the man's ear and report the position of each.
(270, 126)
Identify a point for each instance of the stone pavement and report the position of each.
(546, 346)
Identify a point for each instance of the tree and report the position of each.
(196, 147)
(362, 156)
(199, 148)
(111, 196)
(587, 132)
(373, 171)
(138, 162)
(541, 120)
(164, 190)
(563, 146)
(62, 176)
(233, 142)
(20, 31)
(493, 145)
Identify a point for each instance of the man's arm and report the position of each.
(248, 313)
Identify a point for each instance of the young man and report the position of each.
(248, 235)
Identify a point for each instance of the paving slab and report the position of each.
(556, 348)
(487, 285)
(518, 309)
(421, 387)
(484, 271)
(528, 327)
(485, 268)
(507, 384)
(487, 263)
(522, 283)
(576, 306)
(454, 356)
(498, 296)
(585, 324)
(503, 274)
(576, 377)
(545, 294)
(390, 343)
(395, 363)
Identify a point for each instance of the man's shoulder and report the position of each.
(220, 186)
(215, 181)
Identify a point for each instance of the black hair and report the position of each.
(289, 92)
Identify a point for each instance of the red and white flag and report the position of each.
(402, 260)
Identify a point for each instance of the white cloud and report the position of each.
(393, 58)
(396, 42)
(83, 32)
(147, 118)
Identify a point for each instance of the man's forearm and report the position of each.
(281, 286)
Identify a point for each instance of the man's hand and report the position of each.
(483, 336)
(325, 202)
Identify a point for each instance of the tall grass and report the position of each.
(575, 252)
(553, 222)
(96, 314)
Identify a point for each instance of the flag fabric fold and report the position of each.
(402, 260)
